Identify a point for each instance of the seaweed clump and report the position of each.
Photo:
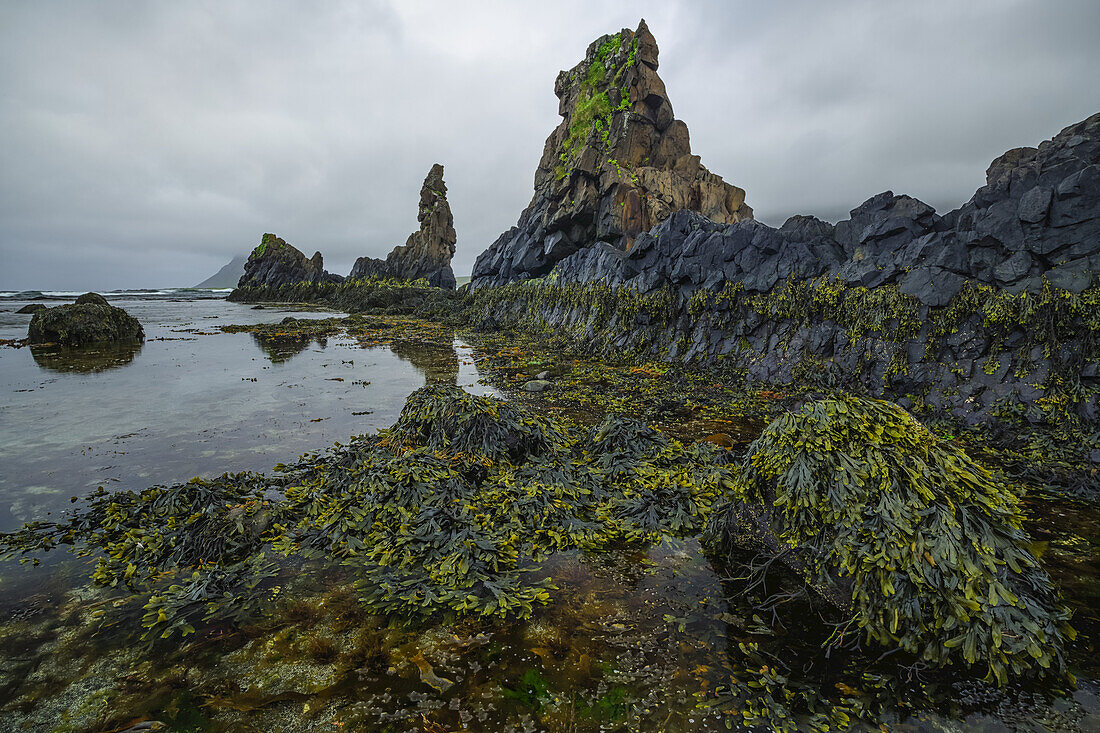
(919, 546)
(449, 511)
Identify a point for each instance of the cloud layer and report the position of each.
(144, 144)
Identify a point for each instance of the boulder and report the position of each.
(90, 320)
(428, 251)
(32, 308)
(617, 165)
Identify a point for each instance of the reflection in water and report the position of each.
(279, 349)
(86, 359)
(439, 365)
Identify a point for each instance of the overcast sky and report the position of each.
(145, 144)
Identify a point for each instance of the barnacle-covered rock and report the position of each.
(920, 546)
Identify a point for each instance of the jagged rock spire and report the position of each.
(618, 164)
(428, 251)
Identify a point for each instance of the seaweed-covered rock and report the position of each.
(274, 263)
(618, 164)
(920, 546)
(450, 419)
(32, 308)
(427, 253)
(90, 320)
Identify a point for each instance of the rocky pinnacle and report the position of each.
(428, 251)
(618, 164)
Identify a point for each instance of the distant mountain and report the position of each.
(228, 276)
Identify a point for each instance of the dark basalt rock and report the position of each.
(741, 295)
(428, 251)
(275, 263)
(32, 308)
(618, 164)
(90, 320)
(1037, 215)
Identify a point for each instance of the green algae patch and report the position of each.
(920, 547)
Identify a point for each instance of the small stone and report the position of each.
(543, 376)
(536, 385)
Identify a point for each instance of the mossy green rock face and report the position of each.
(617, 164)
(275, 263)
(90, 320)
(921, 546)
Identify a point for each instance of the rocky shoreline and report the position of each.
(990, 312)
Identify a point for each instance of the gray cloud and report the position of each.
(144, 144)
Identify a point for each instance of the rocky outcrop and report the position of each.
(428, 251)
(90, 320)
(1038, 216)
(992, 305)
(275, 263)
(228, 276)
(618, 164)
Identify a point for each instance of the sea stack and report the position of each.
(428, 251)
(274, 263)
(618, 164)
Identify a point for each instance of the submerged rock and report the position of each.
(427, 253)
(618, 164)
(32, 308)
(919, 546)
(90, 320)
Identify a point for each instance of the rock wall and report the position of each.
(428, 251)
(275, 263)
(617, 164)
(991, 307)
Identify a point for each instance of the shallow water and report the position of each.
(190, 401)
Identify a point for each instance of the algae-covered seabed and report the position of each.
(645, 638)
